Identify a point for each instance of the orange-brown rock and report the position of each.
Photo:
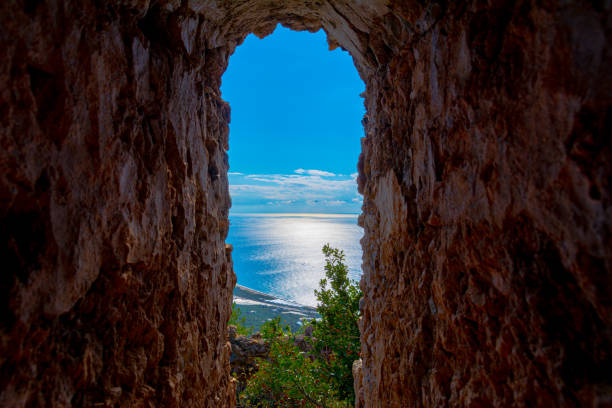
(116, 284)
(485, 172)
(487, 215)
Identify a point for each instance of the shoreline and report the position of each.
(258, 307)
(272, 297)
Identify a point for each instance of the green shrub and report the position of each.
(322, 377)
(288, 378)
(337, 333)
(239, 322)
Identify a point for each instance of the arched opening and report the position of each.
(294, 143)
(295, 137)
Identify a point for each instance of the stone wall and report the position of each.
(487, 215)
(114, 209)
(485, 173)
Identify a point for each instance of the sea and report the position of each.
(281, 254)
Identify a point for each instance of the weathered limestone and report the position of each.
(117, 285)
(485, 171)
(486, 180)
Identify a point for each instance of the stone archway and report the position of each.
(485, 174)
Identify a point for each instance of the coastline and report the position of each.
(265, 296)
(257, 308)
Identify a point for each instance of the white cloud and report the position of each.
(356, 200)
(315, 172)
(334, 202)
(354, 175)
(258, 191)
(293, 187)
(281, 203)
(234, 173)
(304, 181)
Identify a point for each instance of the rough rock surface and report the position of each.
(116, 285)
(485, 172)
(245, 353)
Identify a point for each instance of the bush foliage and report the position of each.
(337, 333)
(236, 319)
(321, 377)
(288, 378)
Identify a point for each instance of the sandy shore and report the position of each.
(257, 307)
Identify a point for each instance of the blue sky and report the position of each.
(296, 125)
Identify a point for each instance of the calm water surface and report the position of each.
(280, 254)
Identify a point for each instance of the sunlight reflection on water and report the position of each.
(281, 254)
